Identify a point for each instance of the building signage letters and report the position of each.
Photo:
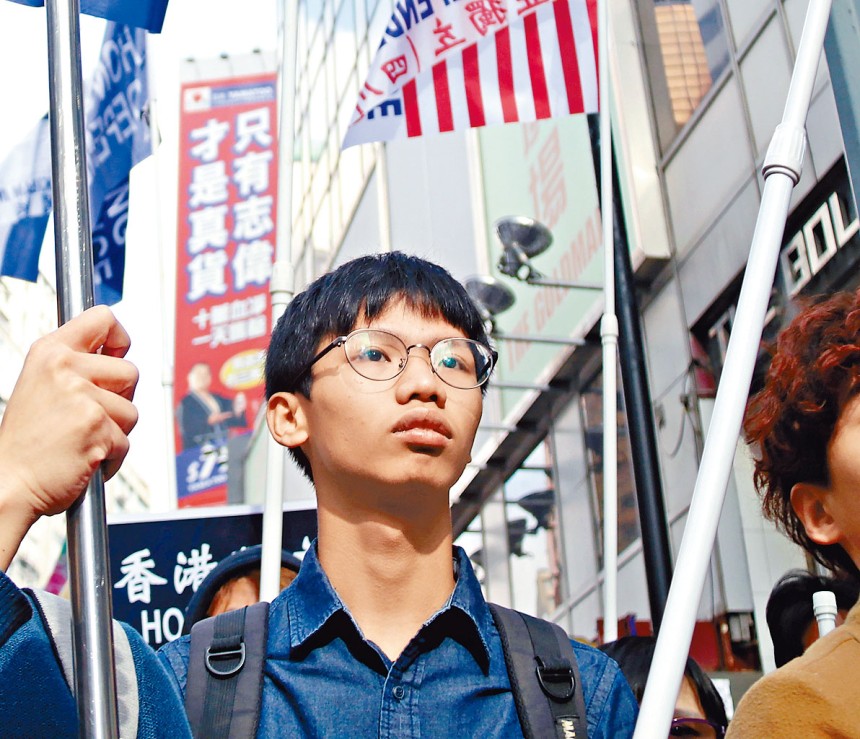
(815, 244)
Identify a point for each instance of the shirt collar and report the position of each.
(311, 602)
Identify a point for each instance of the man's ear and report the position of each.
(286, 419)
(810, 503)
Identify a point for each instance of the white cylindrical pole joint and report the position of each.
(825, 610)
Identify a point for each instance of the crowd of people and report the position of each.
(375, 378)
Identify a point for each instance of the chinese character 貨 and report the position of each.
(206, 275)
(139, 577)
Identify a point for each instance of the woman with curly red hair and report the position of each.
(805, 423)
(814, 376)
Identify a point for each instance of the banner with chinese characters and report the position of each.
(225, 249)
(158, 561)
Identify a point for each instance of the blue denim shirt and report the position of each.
(324, 679)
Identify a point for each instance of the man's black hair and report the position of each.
(363, 288)
(789, 609)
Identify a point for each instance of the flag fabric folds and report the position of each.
(117, 138)
(25, 203)
(446, 67)
(148, 14)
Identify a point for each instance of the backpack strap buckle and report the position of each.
(224, 660)
(556, 679)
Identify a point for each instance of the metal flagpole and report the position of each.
(281, 288)
(609, 341)
(95, 683)
(781, 170)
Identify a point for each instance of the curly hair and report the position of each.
(814, 372)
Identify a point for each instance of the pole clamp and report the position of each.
(785, 153)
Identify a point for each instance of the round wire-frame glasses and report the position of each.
(380, 355)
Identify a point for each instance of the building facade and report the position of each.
(698, 88)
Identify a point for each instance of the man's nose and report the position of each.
(418, 375)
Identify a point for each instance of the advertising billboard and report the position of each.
(225, 249)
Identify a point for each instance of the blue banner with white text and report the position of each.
(118, 137)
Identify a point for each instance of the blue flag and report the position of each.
(25, 203)
(118, 137)
(148, 14)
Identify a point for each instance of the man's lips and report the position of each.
(424, 428)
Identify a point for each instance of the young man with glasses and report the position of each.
(374, 378)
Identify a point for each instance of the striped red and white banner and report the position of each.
(541, 63)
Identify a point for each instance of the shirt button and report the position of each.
(399, 692)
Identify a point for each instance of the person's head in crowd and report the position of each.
(790, 617)
(806, 425)
(234, 583)
(339, 304)
(699, 708)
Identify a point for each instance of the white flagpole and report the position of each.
(92, 636)
(167, 297)
(609, 341)
(781, 170)
(281, 288)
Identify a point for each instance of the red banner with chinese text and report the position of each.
(226, 244)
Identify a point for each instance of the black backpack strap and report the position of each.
(544, 676)
(225, 673)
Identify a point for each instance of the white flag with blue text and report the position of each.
(25, 203)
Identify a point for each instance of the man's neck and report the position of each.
(391, 576)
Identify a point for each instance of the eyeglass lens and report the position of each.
(379, 355)
(694, 727)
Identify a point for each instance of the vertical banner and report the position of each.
(226, 233)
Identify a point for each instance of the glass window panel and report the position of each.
(693, 52)
(360, 16)
(345, 49)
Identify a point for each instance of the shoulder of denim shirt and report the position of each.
(174, 658)
(610, 705)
